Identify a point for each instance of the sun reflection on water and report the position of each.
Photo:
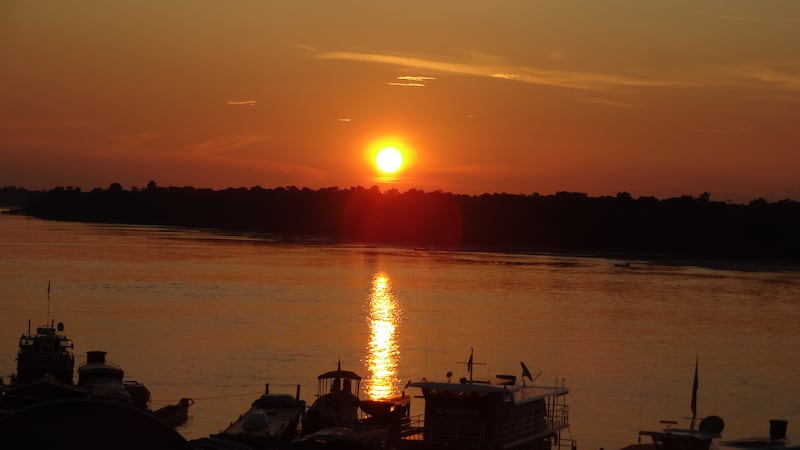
(383, 351)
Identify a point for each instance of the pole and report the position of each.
(48, 303)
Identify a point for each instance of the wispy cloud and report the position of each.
(764, 21)
(485, 68)
(344, 119)
(223, 144)
(242, 102)
(778, 78)
(411, 81)
(406, 84)
(559, 54)
(612, 103)
(415, 78)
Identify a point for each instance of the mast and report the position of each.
(48, 303)
(694, 393)
(470, 363)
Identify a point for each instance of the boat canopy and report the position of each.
(340, 374)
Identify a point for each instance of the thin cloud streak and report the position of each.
(406, 84)
(223, 144)
(613, 103)
(415, 78)
(565, 79)
(778, 78)
(242, 102)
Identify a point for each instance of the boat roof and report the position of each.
(519, 393)
(680, 433)
(340, 374)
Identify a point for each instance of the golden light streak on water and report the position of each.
(382, 352)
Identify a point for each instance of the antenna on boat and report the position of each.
(470, 363)
(48, 303)
(694, 392)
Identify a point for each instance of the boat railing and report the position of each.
(459, 434)
(565, 444)
(558, 419)
(412, 427)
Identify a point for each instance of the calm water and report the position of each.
(214, 317)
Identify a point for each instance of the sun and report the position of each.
(389, 160)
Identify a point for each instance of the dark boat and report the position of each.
(46, 388)
(390, 415)
(176, 414)
(777, 439)
(45, 365)
(680, 438)
(270, 422)
(45, 372)
(353, 437)
(489, 415)
(86, 424)
(337, 401)
(339, 419)
(670, 438)
(47, 351)
(106, 380)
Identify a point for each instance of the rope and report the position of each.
(227, 396)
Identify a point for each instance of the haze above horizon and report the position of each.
(661, 98)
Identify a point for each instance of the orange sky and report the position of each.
(659, 98)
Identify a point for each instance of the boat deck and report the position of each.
(518, 394)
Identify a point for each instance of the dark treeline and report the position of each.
(566, 221)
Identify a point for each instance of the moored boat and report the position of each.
(777, 439)
(337, 401)
(671, 438)
(106, 381)
(489, 415)
(271, 421)
(47, 351)
(175, 414)
(356, 436)
(692, 438)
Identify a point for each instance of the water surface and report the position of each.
(193, 313)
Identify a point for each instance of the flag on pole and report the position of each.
(694, 389)
(469, 362)
(48, 289)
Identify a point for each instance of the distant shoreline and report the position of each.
(684, 229)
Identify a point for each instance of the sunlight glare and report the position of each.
(389, 159)
(382, 351)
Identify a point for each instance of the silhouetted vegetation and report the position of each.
(565, 221)
(12, 196)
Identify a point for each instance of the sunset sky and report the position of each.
(660, 98)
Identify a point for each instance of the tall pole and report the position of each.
(48, 303)
(694, 393)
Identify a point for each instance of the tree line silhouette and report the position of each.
(563, 222)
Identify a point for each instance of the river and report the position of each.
(215, 316)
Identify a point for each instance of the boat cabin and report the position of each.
(48, 351)
(489, 415)
(337, 401)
